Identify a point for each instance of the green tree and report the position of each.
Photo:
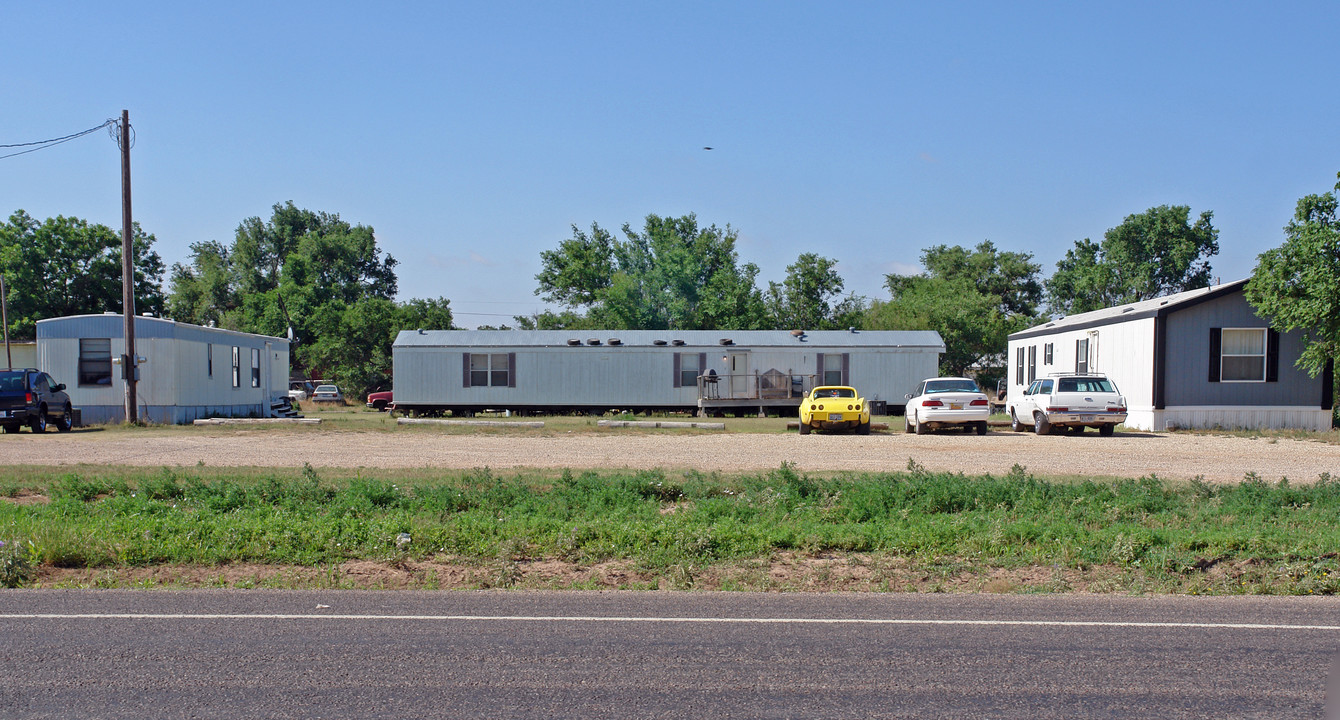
(1297, 285)
(973, 298)
(315, 275)
(670, 275)
(810, 297)
(67, 266)
(1155, 253)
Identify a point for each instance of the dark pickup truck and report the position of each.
(30, 397)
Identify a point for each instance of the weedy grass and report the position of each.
(1145, 535)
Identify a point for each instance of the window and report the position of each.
(1082, 355)
(490, 369)
(1243, 355)
(689, 369)
(209, 360)
(95, 361)
(1019, 366)
(255, 367)
(237, 368)
(1045, 387)
(831, 370)
(1047, 354)
(1032, 362)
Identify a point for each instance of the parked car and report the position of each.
(380, 400)
(834, 407)
(299, 390)
(31, 397)
(1069, 400)
(947, 402)
(327, 394)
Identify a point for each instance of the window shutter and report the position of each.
(1328, 386)
(702, 365)
(1080, 364)
(676, 370)
(1272, 355)
(818, 369)
(846, 368)
(1216, 335)
(465, 370)
(511, 369)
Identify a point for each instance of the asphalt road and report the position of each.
(283, 654)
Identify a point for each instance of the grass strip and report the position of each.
(1144, 535)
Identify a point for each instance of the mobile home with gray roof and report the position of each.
(1196, 359)
(707, 371)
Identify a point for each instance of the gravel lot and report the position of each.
(1175, 456)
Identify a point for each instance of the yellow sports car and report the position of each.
(834, 407)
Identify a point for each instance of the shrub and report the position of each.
(16, 564)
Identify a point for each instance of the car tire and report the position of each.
(1040, 424)
(981, 427)
(804, 428)
(39, 423)
(1106, 429)
(12, 427)
(1015, 425)
(66, 420)
(379, 405)
(921, 427)
(907, 423)
(863, 428)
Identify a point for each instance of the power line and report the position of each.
(44, 144)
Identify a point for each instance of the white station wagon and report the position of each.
(1071, 400)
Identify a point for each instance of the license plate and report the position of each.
(955, 406)
(835, 417)
(1086, 418)
(4, 413)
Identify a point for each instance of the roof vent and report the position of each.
(1126, 310)
(657, 342)
(797, 333)
(421, 332)
(615, 341)
(676, 342)
(593, 341)
(574, 341)
(726, 341)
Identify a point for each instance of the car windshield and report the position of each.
(835, 393)
(1085, 385)
(939, 386)
(11, 381)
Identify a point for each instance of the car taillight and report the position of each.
(813, 408)
(1058, 409)
(979, 402)
(28, 397)
(932, 403)
(1116, 409)
(858, 407)
(848, 407)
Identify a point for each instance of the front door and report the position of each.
(737, 368)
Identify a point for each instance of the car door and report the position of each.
(1028, 403)
(914, 402)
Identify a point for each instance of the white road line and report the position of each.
(633, 619)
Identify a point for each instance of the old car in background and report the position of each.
(380, 400)
(834, 407)
(299, 390)
(327, 394)
(1072, 401)
(947, 402)
(31, 397)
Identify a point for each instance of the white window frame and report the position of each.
(255, 367)
(493, 368)
(1263, 355)
(237, 368)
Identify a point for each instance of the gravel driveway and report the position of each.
(1172, 456)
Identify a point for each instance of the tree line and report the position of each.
(325, 283)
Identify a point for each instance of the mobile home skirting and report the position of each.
(1230, 418)
(168, 414)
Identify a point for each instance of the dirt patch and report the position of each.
(786, 572)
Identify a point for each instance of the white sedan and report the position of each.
(327, 393)
(947, 401)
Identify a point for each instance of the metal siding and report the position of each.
(1125, 354)
(1188, 354)
(624, 376)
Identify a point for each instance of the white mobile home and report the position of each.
(189, 371)
(1201, 358)
(708, 371)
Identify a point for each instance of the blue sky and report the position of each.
(471, 136)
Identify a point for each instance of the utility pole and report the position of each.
(128, 365)
(4, 318)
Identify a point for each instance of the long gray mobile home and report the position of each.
(1201, 358)
(708, 371)
(189, 371)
